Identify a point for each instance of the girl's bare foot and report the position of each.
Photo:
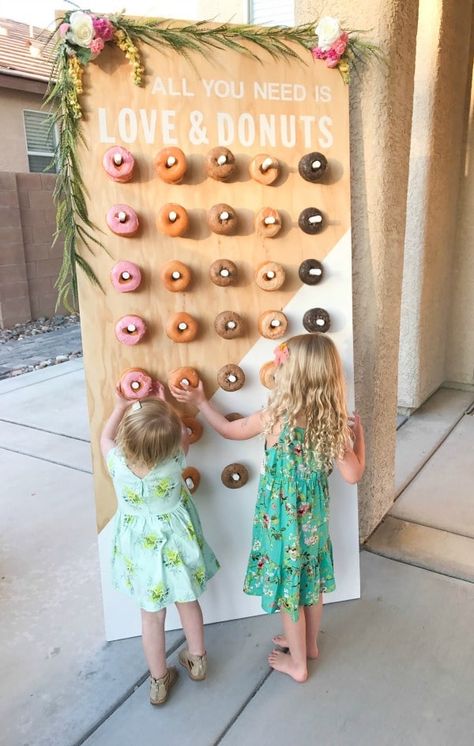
(282, 642)
(283, 662)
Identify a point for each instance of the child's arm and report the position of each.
(352, 465)
(242, 429)
(109, 432)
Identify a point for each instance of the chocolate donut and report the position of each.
(125, 277)
(222, 219)
(220, 164)
(193, 428)
(182, 327)
(191, 478)
(270, 276)
(264, 169)
(135, 383)
(267, 375)
(171, 165)
(181, 378)
(312, 166)
(316, 320)
(272, 324)
(175, 276)
(130, 330)
(230, 377)
(122, 220)
(311, 220)
(118, 163)
(268, 222)
(311, 271)
(234, 476)
(232, 416)
(229, 325)
(223, 272)
(172, 220)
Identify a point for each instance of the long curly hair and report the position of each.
(310, 387)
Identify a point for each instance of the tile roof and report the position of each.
(23, 50)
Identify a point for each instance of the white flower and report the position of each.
(327, 31)
(82, 30)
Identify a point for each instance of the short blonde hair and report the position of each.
(150, 434)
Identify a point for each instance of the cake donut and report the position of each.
(122, 220)
(264, 169)
(311, 271)
(181, 378)
(130, 330)
(232, 416)
(193, 427)
(191, 478)
(222, 219)
(316, 320)
(312, 166)
(272, 324)
(234, 476)
(230, 377)
(118, 163)
(268, 222)
(135, 383)
(182, 327)
(172, 220)
(223, 272)
(125, 277)
(311, 220)
(175, 276)
(228, 325)
(171, 165)
(267, 375)
(220, 164)
(270, 276)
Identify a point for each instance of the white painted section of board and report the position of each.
(227, 514)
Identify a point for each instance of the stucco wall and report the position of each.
(13, 155)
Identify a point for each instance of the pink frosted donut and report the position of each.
(126, 276)
(130, 330)
(135, 383)
(118, 163)
(122, 220)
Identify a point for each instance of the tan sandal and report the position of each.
(195, 665)
(160, 688)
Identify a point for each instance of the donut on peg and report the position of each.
(125, 277)
(234, 476)
(270, 276)
(267, 375)
(122, 220)
(312, 166)
(311, 220)
(175, 276)
(311, 271)
(193, 428)
(222, 219)
(171, 165)
(223, 272)
(191, 478)
(272, 324)
(118, 163)
(229, 325)
(316, 320)
(135, 383)
(181, 378)
(220, 164)
(268, 222)
(172, 220)
(182, 327)
(130, 330)
(230, 377)
(232, 416)
(264, 169)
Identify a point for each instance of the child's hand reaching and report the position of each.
(189, 394)
(158, 391)
(355, 425)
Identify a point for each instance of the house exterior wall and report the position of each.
(13, 153)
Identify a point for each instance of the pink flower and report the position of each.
(281, 353)
(103, 28)
(340, 44)
(332, 58)
(97, 45)
(63, 29)
(318, 53)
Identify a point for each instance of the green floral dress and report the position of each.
(290, 560)
(159, 553)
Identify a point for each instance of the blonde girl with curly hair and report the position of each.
(307, 431)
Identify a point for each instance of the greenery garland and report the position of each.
(81, 38)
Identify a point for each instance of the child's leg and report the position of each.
(313, 615)
(153, 638)
(293, 663)
(191, 618)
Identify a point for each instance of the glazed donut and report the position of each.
(122, 220)
(233, 416)
(272, 324)
(171, 165)
(311, 220)
(264, 169)
(230, 377)
(191, 478)
(311, 271)
(312, 166)
(118, 163)
(270, 276)
(228, 325)
(130, 330)
(220, 164)
(135, 383)
(223, 272)
(193, 427)
(181, 378)
(234, 476)
(316, 320)
(222, 219)
(172, 220)
(267, 375)
(182, 327)
(175, 276)
(125, 277)
(268, 222)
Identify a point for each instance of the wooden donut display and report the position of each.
(272, 324)
(270, 276)
(223, 272)
(194, 429)
(172, 220)
(311, 220)
(231, 377)
(316, 320)
(175, 276)
(182, 327)
(126, 277)
(229, 325)
(220, 164)
(310, 271)
(268, 222)
(234, 476)
(135, 383)
(130, 330)
(265, 169)
(183, 377)
(312, 166)
(191, 478)
(122, 220)
(171, 165)
(222, 219)
(118, 164)
(267, 375)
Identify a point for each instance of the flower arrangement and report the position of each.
(339, 48)
(282, 353)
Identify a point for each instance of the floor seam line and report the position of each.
(35, 383)
(44, 430)
(46, 460)
(414, 564)
(236, 716)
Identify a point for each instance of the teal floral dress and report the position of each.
(291, 559)
(159, 553)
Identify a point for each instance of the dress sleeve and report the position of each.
(111, 461)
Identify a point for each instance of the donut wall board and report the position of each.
(212, 259)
